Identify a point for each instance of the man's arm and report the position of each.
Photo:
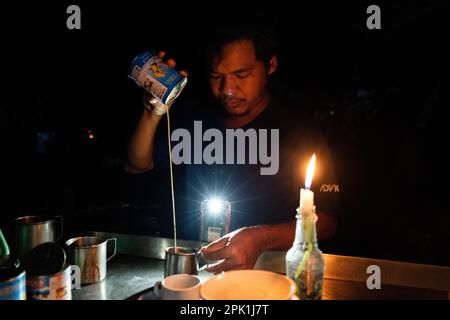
(241, 248)
(281, 236)
(140, 150)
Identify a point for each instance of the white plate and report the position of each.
(248, 285)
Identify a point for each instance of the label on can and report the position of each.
(215, 220)
(13, 288)
(155, 76)
(214, 233)
(51, 287)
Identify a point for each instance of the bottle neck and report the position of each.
(4, 253)
(305, 231)
(4, 249)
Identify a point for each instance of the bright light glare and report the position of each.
(214, 205)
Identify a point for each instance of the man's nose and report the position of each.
(228, 86)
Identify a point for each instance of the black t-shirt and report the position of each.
(255, 198)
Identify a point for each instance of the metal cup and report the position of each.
(30, 231)
(90, 254)
(182, 260)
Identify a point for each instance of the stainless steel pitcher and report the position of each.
(183, 260)
(90, 254)
(26, 233)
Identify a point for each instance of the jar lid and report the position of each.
(45, 259)
(6, 264)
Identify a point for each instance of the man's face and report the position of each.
(239, 81)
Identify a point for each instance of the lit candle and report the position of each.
(306, 195)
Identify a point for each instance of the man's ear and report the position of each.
(273, 64)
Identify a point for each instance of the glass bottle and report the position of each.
(8, 267)
(4, 250)
(304, 261)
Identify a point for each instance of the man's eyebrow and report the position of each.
(235, 71)
(243, 70)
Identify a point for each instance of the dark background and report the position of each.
(381, 96)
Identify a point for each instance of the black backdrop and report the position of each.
(381, 96)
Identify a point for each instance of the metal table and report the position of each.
(140, 263)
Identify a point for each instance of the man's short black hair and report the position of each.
(258, 28)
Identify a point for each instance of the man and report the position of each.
(240, 63)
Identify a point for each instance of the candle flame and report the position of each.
(310, 171)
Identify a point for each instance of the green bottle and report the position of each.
(4, 250)
(7, 265)
(12, 276)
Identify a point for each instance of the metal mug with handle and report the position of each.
(183, 260)
(27, 232)
(90, 255)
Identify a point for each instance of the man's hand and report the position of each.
(153, 104)
(238, 250)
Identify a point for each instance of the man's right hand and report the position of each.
(153, 104)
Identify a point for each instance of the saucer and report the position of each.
(248, 285)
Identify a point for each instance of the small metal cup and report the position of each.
(90, 254)
(182, 260)
(28, 232)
